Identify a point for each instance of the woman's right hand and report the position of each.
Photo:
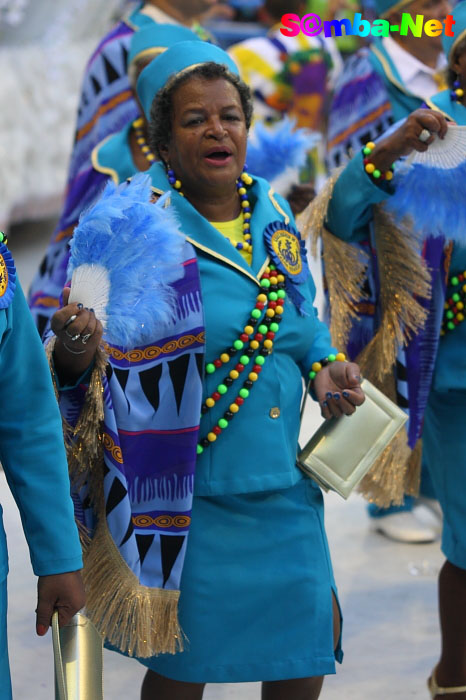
(79, 334)
(406, 138)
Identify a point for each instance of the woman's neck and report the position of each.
(215, 206)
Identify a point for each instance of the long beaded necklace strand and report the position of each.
(244, 179)
(455, 304)
(273, 294)
(138, 126)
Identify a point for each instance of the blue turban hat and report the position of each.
(459, 30)
(175, 60)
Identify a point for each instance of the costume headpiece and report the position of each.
(385, 7)
(183, 57)
(157, 38)
(450, 43)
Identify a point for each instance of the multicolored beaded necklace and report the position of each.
(268, 314)
(455, 304)
(244, 179)
(138, 126)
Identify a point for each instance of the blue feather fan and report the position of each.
(430, 187)
(125, 253)
(433, 198)
(273, 149)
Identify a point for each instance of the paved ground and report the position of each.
(387, 592)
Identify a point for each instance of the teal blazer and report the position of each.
(257, 451)
(31, 447)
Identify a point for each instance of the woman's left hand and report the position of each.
(338, 389)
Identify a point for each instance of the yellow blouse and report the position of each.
(233, 230)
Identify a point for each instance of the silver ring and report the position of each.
(70, 335)
(76, 337)
(70, 320)
(85, 338)
(424, 135)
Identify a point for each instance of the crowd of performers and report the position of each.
(177, 358)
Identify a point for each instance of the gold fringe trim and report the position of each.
(344, 264)
(311, 221)
(83, 442)
(138, 620)
(345, 268)
(404, 277)
(396, 473)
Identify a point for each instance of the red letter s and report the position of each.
(291, 23)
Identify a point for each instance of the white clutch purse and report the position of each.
(343, 450)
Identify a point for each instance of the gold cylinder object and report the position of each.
(78, 660)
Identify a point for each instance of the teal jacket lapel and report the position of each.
(207, 239)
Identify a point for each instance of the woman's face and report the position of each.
(208, 141)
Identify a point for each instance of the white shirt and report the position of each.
(415, 75)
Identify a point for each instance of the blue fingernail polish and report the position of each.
(336, 397)
(91, 310)
(345, 394)
(324, 403)
(80, 306)
(329, 394)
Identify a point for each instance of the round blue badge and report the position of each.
(287, 251)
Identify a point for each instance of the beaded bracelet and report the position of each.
(317, 366)
(370, 167)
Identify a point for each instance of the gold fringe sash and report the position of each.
(138, 620)
(404, 278)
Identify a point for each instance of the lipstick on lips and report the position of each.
(218, 156)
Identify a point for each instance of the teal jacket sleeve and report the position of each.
(31, 444)
(350, 209)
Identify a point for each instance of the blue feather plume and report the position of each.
(433, 198)
(140, 245)
(273, 149)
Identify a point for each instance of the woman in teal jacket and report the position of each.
(258, 600)
(438, 349)
(33, 458)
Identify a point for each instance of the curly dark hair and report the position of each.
(161, 113)
(451, 75)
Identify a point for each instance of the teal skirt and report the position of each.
(256, 590)
(443, 454)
